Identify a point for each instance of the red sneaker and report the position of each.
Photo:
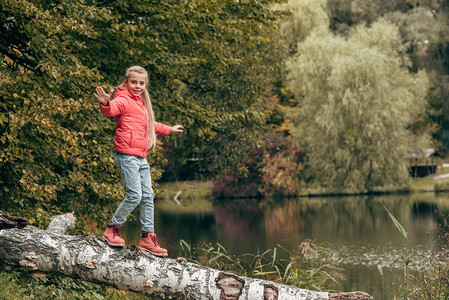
(148, 242)
(112, 236)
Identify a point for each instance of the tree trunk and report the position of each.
(90, 259)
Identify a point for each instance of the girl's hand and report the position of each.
(177, 128)
(102, 96)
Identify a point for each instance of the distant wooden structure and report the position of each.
(422, 164)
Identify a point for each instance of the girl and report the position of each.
(135, 132)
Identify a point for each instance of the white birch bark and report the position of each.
(90, 259)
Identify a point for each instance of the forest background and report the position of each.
(277, 97)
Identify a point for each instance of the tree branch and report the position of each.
(23, 61)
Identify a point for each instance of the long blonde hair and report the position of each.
(147, 101)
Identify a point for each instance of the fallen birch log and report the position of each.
(90, 259)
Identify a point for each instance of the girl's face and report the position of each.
(135, 83)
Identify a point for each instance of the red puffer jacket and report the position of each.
(131, 117)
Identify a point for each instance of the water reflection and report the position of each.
(284, 222)
(358, 229)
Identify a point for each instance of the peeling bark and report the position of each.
(11, 222)
(230, 285)
(270, 292)
(90, 259)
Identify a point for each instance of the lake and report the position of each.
(357, 229)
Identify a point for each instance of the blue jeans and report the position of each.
(136, 177)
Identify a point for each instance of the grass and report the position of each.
(432, 282)
(21, 285)
(430, 184)
(310, 266)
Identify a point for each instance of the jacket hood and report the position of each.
(123, 92)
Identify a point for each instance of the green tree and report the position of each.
(208, 62)
(53, 143)
(357, 101)
(423, 25)
(305, 16)
(423, 30)
(343, 14)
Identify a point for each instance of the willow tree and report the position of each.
(357, 101)
(305, 16)
(423, 26)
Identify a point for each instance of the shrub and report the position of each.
(273, 170)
